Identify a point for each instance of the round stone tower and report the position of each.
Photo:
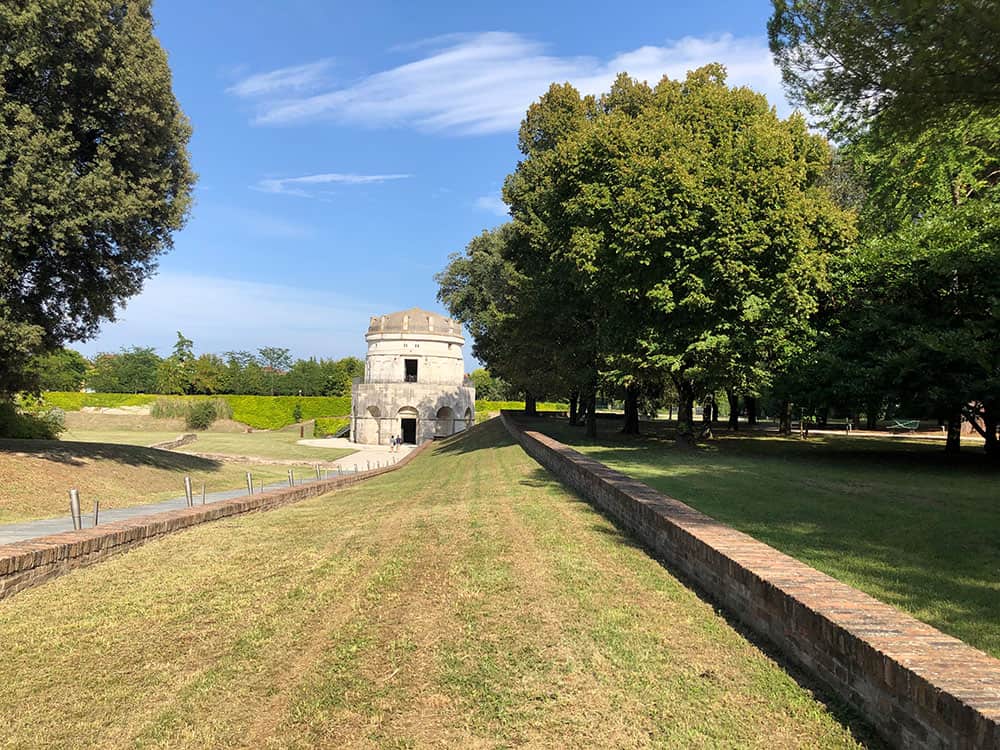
(414, 384)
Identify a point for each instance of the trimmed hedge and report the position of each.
(325, 426)
(74, 400)
(260, 412)
(272, 412)
(488, 406)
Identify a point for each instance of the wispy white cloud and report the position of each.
(300, 185)
(483, 83)
(297, 79)
(494, 204)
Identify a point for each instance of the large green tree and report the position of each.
(694, 224)
(850, 60)
(94, 173)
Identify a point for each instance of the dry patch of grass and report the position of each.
(465, 601)
(36, 474)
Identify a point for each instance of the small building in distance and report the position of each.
(414, 384)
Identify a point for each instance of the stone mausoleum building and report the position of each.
(414, 384)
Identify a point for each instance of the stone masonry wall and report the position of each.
(32, 562)
(917, 686)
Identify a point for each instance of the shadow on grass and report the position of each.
(78, 454)
(485, 436)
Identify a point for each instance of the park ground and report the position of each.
(108, 458)
(893, 517)
(467, 600)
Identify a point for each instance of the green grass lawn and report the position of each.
(891, 517)
(467, 600)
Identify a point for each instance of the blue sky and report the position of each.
(345, 150)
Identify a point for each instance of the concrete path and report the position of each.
(364, 453)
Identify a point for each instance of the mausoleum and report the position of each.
(414, 384)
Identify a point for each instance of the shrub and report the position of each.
(170, 408)
(29, 418)
(297, 412)
(200, 415)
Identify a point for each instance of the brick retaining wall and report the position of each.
(919, 687)
(34, 561)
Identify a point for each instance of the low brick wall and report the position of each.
(919, 687)
(34, 561)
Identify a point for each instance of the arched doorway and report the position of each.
(408, 424)
(445, 424)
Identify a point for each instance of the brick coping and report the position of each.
(30, 562)
(873, 655)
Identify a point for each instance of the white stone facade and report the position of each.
(414, 384)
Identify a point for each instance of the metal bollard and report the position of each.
(74, 509)
(188, 494)
(97, 512)
(249, 483)
(291, 479)
(202, 493)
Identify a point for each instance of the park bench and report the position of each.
(908, 425)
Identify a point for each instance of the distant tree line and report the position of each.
(680, 243)
(268, 371)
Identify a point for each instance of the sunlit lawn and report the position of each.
(891, 517)
(466, 600)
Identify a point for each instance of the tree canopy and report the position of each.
(94, 172)
(850, 60)
(681, 230)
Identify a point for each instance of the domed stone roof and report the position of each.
(415, 320)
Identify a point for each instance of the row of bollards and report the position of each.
(74, 494)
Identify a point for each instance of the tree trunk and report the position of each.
(592, 414)
(706, 410)
(734, 410)
(751, 403)
(785, 418)
(991, 420)
(871, 416)
(631, 426)
(574, 400)
(530, 405)
(685, 413)
(715, 410)
(953, 444)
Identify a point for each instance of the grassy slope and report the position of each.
(890, 517)
(36, 474)
(466, 601)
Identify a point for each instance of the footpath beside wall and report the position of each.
(32, 562)
(919, 687)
